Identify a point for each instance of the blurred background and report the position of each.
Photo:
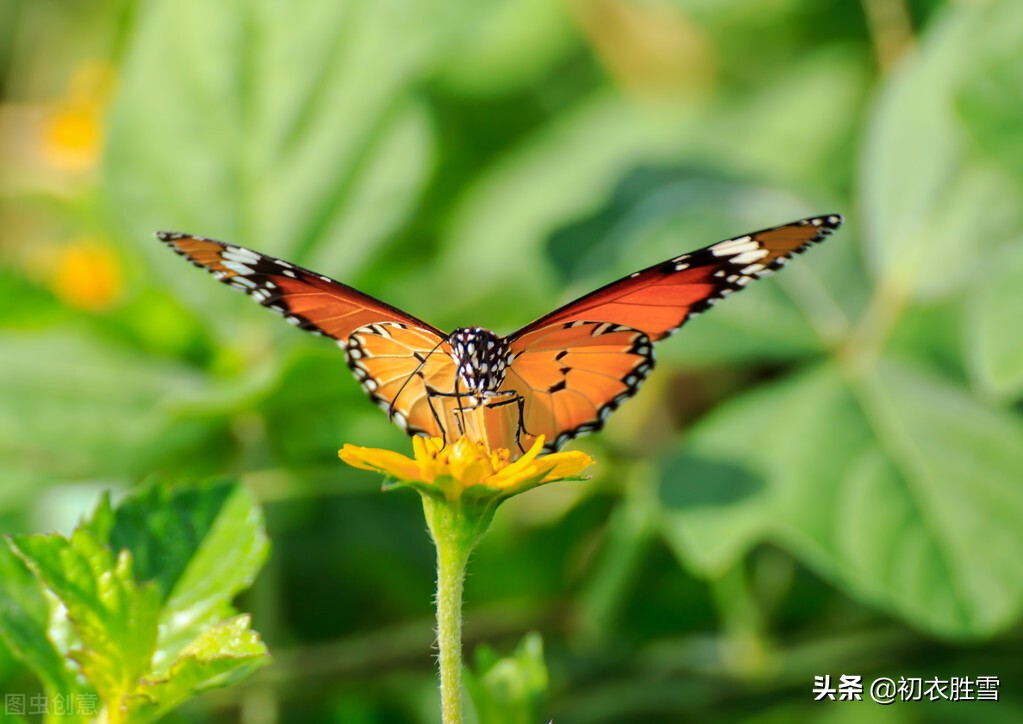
(824, 476)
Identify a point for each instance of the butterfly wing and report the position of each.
(408, 374)
(304, 298)
(395, 356)
(661, 298)
(576, 365)
(570, 377)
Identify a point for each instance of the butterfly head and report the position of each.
(481, 358)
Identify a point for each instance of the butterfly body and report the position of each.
(560, 376)
(481, 358)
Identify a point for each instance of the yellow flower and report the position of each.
(465, 464)
(73, 134)
(87, 274)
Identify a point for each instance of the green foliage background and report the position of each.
(824, 475)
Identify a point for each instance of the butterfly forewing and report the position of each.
(304, 298)
(661, 298)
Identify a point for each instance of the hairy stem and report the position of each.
(455, 535)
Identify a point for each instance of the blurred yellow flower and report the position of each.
(73, 133)
(466, 463)
(87, 274)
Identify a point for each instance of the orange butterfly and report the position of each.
(559, 376)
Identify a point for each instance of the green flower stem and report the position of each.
(455, 529)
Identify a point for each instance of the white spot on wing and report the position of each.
(734, 246)
(240, 255)
(237, 267)
(748, 257)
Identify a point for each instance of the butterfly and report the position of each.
(560, 376)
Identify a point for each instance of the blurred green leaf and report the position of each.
(293, 133)
(76, 407)
(888, 498)
(990, 98)
(994, 346)
(508, 690)
(933, 206)
(806, 121)
(554, 176)
(514, 42)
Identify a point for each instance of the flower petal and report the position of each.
(517, 470)
(425, 459)
(378, 460)
(566, 465)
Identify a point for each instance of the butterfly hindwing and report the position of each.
(408, 372)
(573, 375)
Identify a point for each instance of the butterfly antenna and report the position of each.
(394, 400)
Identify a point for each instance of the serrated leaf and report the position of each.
(115, 618)
(150, 619)
(933, 204)
(887, 486)
(994, 346)
(228, 553)
(223, 654)
(24, 620)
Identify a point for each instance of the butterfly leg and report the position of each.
(520, 425)
(457, 412)
(436, 417)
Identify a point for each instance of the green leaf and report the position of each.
(889, 498)
(990, 99)
(552, 179)
(221, 548)
(222, 655)
(75, 408)
(147, 587)
(115, 618)
(933, 204)
(962, 463)
(515, 42)
(280, 131)
(508, 690)
(994, 347)
(24, 620)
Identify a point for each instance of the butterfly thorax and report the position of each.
(482, 358)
